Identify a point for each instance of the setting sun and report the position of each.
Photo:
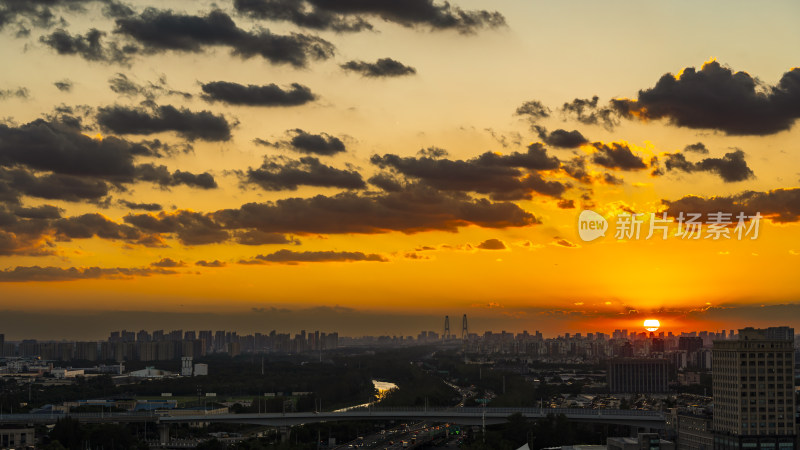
(651, 325)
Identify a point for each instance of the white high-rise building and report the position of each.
(753, 380)
(186, 366)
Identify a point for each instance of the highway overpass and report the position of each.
(463, 416)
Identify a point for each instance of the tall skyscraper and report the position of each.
(753, 383)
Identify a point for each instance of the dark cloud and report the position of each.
(413, 255)
(18, 182)
(90, 225)
(299, 13)
(382, 68)
(778, 205)
(45, 13)
(123, 85)
(162, 176)
(161, 30)
(586, 111)
(433, 152)
(38, 212)
(20, 92)
(89, 46)
(215, 263)
(54, 147)
(534, 110)
(24, 231)
(386, 182)
(158, 148)
(561, 138)
(617, 156)
(168, 262)
(414, 209)
(258, 237)
(492, 244)
(191, 228)
(338, 16)
(13, 11)
(514, 138)
(142, 206)
(536, 158)
(37, 273)
(33, 230)
(304, 142)
(412, 13)
(252, 95)
(291, 257)
(70, 116)
(611, 179)
(283, 174)
(564, 243)
(499, 176)
(63, 85)
(731, 168)
(696, 148)
(24, 244)
(117, 9)
(576, 168)
(566, 204)
(203, 125)
(717, 98)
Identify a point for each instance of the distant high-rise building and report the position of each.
(86, 351)
(219, 341)
(638, 376)
(2, 344)
(128, 336)
(753, 381)
(690, 344)
(208, 339)
(186, 366)
(626, 351)
(657, 345)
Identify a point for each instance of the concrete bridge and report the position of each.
(462, 416)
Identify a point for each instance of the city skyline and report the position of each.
(62, 329)
(376, 168)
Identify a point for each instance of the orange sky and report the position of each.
(370, 217)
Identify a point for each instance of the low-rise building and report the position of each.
(200, 370)
(644, 441)
(67, 373)
(695, 431)
(17, 438)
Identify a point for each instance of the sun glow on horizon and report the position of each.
(652, 325)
